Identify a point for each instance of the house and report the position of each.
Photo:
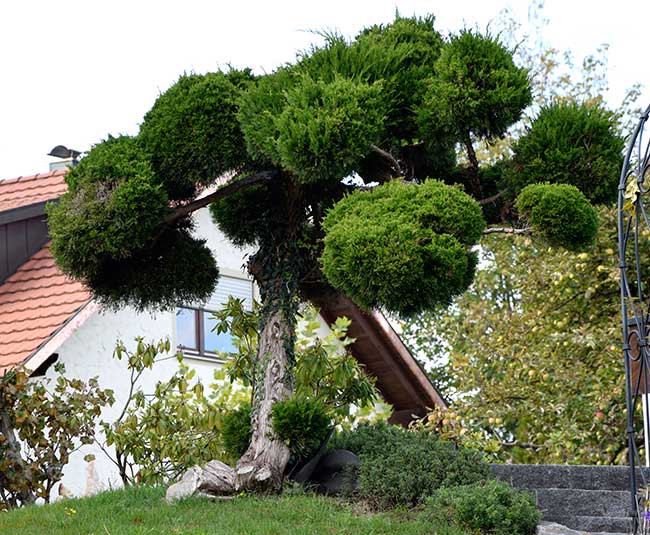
(46, 317)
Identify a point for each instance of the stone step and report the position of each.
(594, 524)
(545, 476)
(579, 502)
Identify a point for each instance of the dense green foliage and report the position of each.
(492, 507)
(417, 237)
(560, 213)
(236, 431)
(41, 424)
(571, 143)
(478, 90)
(143, 510)
(303, 424)
(402, 467)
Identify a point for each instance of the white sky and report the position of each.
(73, 71)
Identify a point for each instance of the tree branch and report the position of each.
(388, 157)
(507, 230)
(490, 199)
(517, 444)
(224, 191)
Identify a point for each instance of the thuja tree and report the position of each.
(295, 153)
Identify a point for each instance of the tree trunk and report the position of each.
(473, 179)
(262, 466)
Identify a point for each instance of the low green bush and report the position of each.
(236, 431)
(303, 424)
(401, 467)
(492, 507)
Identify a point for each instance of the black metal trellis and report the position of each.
(634, 264)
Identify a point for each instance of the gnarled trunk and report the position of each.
(262, 466)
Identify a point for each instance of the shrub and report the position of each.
(236, 431)
(41, 424)
(490, 507)
(559, 213)
(302, 423)
(400, 467)
(367, 438)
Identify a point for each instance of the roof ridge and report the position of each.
(36, 176)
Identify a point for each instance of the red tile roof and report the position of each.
(35, 302)
(27, 190)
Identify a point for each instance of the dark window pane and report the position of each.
(186, 328)
(213, 341)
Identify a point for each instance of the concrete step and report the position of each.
(594, 524)
(545, 476)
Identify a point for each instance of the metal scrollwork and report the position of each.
(634, 264)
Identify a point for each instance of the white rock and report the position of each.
(187, 486)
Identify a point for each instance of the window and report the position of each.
(194, 335)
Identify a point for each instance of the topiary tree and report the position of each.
(293, 148)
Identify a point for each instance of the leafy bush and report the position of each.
(405, 247)
(571, 144)
(490, 507)
(236, 431)
(559, 213)
(40, 426)
(367, 438)
(302, 424)
(400, 467)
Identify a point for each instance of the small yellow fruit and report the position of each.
(531, 373)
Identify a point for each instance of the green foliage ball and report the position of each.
(489, 507)
(402, 467)
(113, 160)
(175, 269)
(100, 221)
(302, 423)
(405, 247)
(574, 144)
(325, 129)
(236, 431)
(559, 213)
(192, 132)
(477, 89)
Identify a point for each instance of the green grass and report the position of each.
(142, 510)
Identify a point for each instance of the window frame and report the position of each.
(200, 353)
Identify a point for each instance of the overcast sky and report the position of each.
(74, 71)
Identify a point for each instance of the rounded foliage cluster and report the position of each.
(490, 507)
(559, 213)
(236, 431)
(402, 467)
(192, 133)
(302, 423)
(574, 144)
(477, 89)
(405, 247)
(326, 128)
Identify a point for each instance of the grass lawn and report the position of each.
(143, 510)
